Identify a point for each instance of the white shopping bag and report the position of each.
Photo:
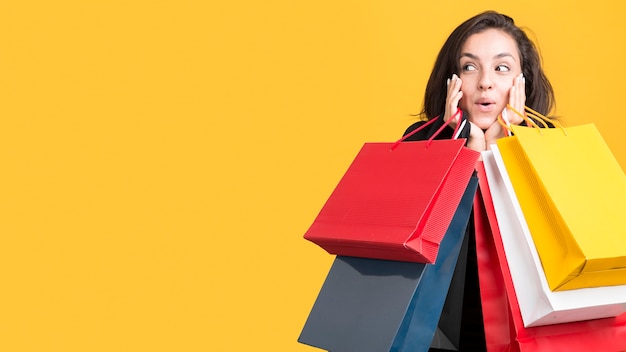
(538, 304)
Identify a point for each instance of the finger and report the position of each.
(512, 116)
(454, 103)
(514, 93)
(522, 92)
(453, 96)
(520, 95)
(517, 100)
(455, 93)
(454, 84)
(452, 109)
(516, 96)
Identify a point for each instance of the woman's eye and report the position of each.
(469, 67)
(503, 68)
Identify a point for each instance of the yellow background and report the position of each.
(161, 160)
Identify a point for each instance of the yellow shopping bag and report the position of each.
(572, 192)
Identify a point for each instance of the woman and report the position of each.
(486, 63)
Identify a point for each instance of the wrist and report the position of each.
(476, 139)
(476, 143)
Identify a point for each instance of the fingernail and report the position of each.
(448, 82)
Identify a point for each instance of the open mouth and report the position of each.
(485, 101)
(485, 105)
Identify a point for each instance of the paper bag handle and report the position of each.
(446, 123)
(532, 113)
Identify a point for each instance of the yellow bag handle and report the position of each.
(532, 113)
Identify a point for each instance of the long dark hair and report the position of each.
(539, 93)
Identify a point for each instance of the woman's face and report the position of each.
(489, 62)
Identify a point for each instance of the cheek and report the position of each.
(469, 85)
(508, 82)
(504, 93)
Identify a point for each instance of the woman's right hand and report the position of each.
(452, 100)
(476, 138)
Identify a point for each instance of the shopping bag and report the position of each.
(395, 201)
(572, 192)
(382, 305)
(538, 304)
(504, 328)
(500, 332)
(395, 204)
(448, 333)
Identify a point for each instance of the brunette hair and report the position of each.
(539, 93)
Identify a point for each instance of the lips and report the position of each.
(485, 104)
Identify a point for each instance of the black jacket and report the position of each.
(430, 130)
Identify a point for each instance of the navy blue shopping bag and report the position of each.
(372, 305)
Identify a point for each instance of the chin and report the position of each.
(483, 122)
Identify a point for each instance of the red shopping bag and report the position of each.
(395, 201)
(504, 328)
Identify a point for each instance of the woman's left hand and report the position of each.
(517, 99)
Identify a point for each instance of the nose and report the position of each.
(486, 81)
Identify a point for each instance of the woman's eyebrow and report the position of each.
(501, 55)
(471, 56)
(474, 57)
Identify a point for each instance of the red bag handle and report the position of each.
(446, 123)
